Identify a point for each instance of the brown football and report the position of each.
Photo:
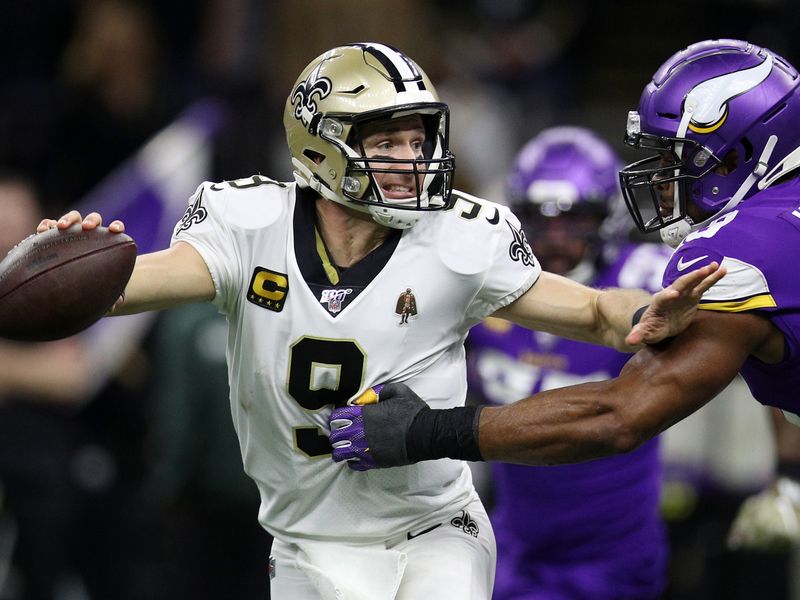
(57, 283)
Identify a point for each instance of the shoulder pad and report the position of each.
(249, 203)
(469, 235)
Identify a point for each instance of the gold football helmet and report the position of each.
(335, 95)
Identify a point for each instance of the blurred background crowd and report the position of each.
(121, 479)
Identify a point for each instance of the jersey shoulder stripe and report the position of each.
(760, 301)
(744, 287)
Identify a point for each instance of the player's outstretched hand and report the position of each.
(673, 308)
(90, 221)
(768, 521)
(370, 436)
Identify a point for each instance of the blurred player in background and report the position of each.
(589, 530)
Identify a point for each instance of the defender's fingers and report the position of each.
(694, 278)
(337, 424)
(709, 281)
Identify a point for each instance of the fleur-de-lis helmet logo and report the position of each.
(306, 95)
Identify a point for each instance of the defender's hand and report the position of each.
(374, 436)
(769, 521)
(673, 308)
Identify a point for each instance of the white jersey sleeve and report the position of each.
(216, 215)
(487, 240)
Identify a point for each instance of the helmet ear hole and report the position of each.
(313, 156)
(729, 163)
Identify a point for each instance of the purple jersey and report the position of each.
(589, 530)
(758, 245)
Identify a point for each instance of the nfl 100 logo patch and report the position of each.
(334, 299)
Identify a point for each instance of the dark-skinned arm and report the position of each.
(657, 388)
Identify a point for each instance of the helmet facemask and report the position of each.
(566, 241)
(657, 189)
(432, 171)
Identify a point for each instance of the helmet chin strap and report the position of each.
(306, 179)
(396, 219)
(390, 216)
(674, 234)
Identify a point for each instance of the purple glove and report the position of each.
(349, 440)
(372, 434)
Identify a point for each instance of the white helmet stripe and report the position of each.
(403, 72)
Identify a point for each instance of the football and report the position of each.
(57, 283)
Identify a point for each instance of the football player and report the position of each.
(719, 122)
(571, 531)
(310, 274)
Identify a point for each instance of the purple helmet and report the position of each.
(562, 170)
(568, 171)
(721, 118)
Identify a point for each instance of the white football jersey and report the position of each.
(296, 349)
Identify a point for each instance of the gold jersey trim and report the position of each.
(760, 301)
(327, 265)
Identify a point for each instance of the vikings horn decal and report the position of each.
(709, 100)
(305, 95)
